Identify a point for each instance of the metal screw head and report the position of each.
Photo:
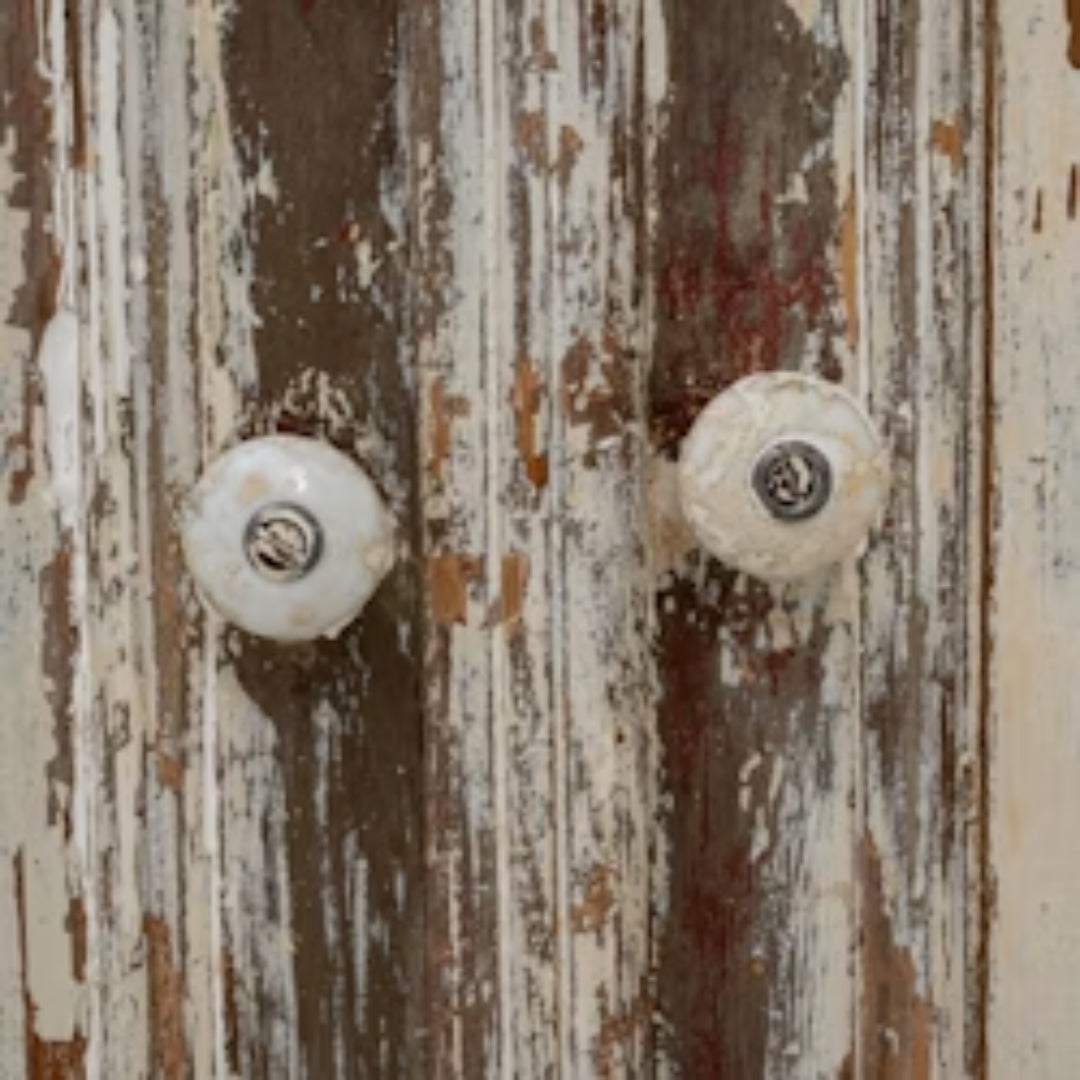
(282, 542)
(793, 480)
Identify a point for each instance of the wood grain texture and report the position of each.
(530, 177)
(919, 219)
(821, 742)
(1035, 945)
(570, 800)
(42, 904)
(759, 707)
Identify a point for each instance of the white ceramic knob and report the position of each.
(782, 475)
(287, 537)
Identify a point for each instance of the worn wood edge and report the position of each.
(768, 912)
(922, 262)
(1031, 617)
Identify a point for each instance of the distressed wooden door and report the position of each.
(570, 799)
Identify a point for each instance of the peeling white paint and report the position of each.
(35, 853)
(1035, 631)
(58, 368)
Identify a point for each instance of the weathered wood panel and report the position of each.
(917, 222)
(1034, 609)
(819, 179)
(312, 96)
(238, 831)
(571, 799)
(42, 903)
(759, 708)
(529, 173)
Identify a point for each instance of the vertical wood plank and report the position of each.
(759, 708)
(916, 222)
(43, 1025)
(312, 95)
(530, 175)
(230, 834)
(1035, 597)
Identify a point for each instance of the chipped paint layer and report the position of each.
(540, 668)
(570, 800)
(1034, 799)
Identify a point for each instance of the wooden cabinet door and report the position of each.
(570, 799)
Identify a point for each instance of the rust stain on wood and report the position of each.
(525, 398)
(514, 580)
(165, 975)
(592, 913)
(1072, 12)
(49, 1059)
(618, 1030)
(19, 447)
(170, 771)
(449, 576)
(597, 393)
(896, 1021)
(1073, 192)
(532, 137)
(946, 139)
(1037, 220)
(445, 409)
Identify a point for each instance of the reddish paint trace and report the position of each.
(897, 1022)
(525, 398)
(514, 580)
(754, 265)
(592, 913)
(732, 283)
(449, 575)
(166, 999)
(946, 139)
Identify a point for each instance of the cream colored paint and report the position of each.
(146, 96)
(35, 956)
(923, 374)
(549, 716)
(1035, 643)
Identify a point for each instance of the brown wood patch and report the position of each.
(312, 87)
(743, 279)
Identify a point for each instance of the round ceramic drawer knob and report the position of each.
(287, 537)
(781, 475)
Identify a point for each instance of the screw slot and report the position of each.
(793, 480)
(282, 542)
